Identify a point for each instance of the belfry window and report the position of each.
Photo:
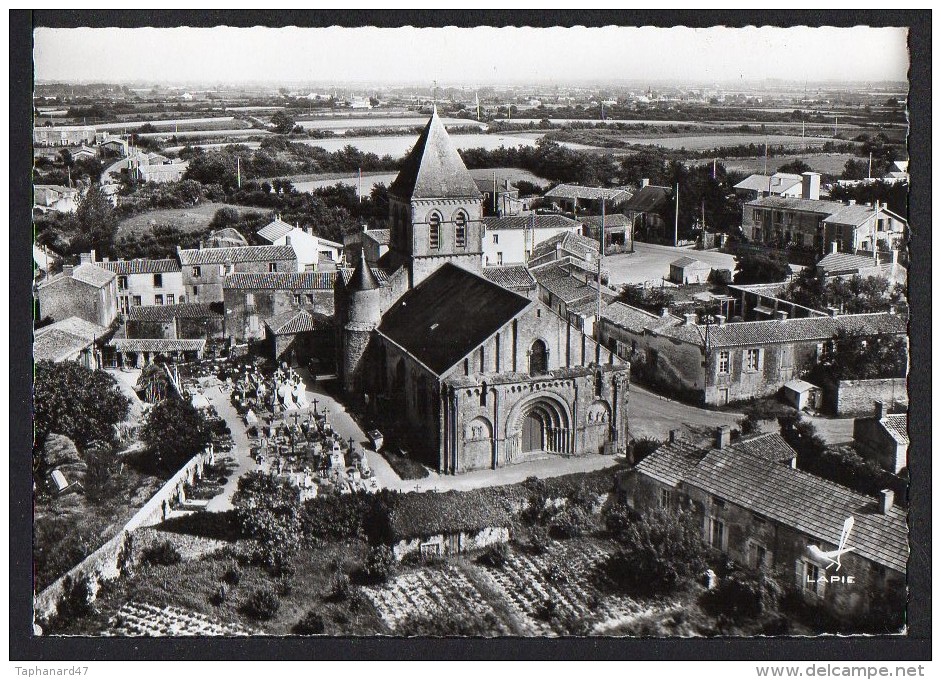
(434, 231)
(460, 230)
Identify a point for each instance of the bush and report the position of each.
(164, 554)
(219, 596)
(340, 588)
(571, 522)
(232, 576)
(311, 624)
(538, 540)
(263, 604)
(641, 448)
(75, 601)
(495, 555)
(463, 623)
(380, 565)
(742, 595)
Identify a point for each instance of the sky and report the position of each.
(469, 56)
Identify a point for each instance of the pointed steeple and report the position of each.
(433, 168)
(362, 277)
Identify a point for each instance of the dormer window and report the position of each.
(460, 230)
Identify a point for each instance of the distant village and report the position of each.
(478, 329)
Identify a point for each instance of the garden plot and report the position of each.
(429, 591)
(135, 619)
(555, 593)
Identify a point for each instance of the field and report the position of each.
(825, 163)
(185, 219)
(706, 142)
(312, 182)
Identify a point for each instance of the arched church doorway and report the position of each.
(533, 428)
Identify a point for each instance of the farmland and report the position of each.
(824, 163)
(190, 219)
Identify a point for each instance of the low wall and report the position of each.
(104, 563)
(859, 397)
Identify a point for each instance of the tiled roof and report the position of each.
(572, 242)
(687, 261)
(648, 199)
(897, 426)
(380, 236)
(776, 184)
(510, 276)
(670, 463)
(226, 238)
(58, 345)
(434, 168)
(380, 275)
(238, 254)
(809, 504)
(295, 321)
(93, 275)
(636, 320)
(141, 266)
(529, 222)
(844, 262)
(281, 280)
(272, 231)
(75, 326)
(804, 204)
(157, 345)
(573, 191)
(854, 215)
(562, 284)
(186, 310)
(449, 314)
(746, 333)
(612, 220)
(801, 386)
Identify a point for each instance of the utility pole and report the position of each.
(870, 165)
(238, 171)
(494, 192)
(598, 316)
(359, 184)
(676, 222)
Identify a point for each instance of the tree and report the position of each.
(71, 400)
(856, 295)
(97, 223)
(174, 432)
(660, 552)
(854, 170)
(795, 167)
(283, 123)
(860, 357)
(268, 510)
(225, 217)
(760, 268)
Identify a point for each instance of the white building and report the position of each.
(510, 239)
(313, 252)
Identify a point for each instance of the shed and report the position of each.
(686, 270)
(801, 394)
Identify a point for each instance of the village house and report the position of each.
(227, 237)
(768, 516)
(55, 198)
(72, 339)
(147, 282)
(63, 135)
(512, 239)
(846, 265)
(113, 146)
(646, 209)
(299, 336)
(565, 248)
(687, 270)
(161, 172)
(778, 184)
(618, 231)
(514, 277)
(812, 224)
(86, 291)
(139, 352)
(190, 320)
(205, 269)
(576, 199)
(375, 244)
(719, 363)
(252, 298)
(501, 198)
(571, 293)
(310, 250)
(883, 438)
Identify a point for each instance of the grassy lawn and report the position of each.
(185, 219)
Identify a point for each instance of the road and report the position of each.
(653, 416)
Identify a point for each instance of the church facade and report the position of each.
(461, 372)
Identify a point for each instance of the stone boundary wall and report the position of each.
(859, 397)
(104, 563)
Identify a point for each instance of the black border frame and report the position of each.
(916, 645)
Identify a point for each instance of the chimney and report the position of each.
(86, 258)
(852, 201)
(674, 435)
(644, 183)
(665, 312)
(68, 269)
(720, 319)
(365, 227)
(690, 319)
(886, 501)
(810, 185)
(780, 315)
(309, 230)
(832, 311)
(723, 436)
(880, 410)
(834, 246)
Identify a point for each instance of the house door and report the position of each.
(723, 396)
(532, 433)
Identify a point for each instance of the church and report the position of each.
(461, 372)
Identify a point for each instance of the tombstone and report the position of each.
(59, 481)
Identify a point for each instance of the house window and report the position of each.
(666, 498)
(309, 297)
(499, 258)
(723, 362)
(430, 549)
(460, 230)
(272, 267)
(757, 555)
(124, 305)
(137, 301)
(122, 283)
(752, 359)
(171, 299)
(496, 238)
(297, 299)
(250, 300)
(756, 216)
(717, 533)
(434, 231)
(197, 272)
(158, 299)
(158, 280)
(811, 577)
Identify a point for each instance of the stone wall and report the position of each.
(858, 397)
(104, 564)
